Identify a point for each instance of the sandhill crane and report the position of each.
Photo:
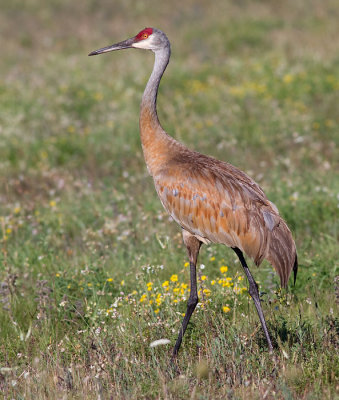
(212, 201)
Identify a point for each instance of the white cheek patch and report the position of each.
(144, 44)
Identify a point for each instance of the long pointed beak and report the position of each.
(125, 44)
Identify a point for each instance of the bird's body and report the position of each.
(217, 203)
(212, 201)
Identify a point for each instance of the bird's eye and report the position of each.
(145, 36)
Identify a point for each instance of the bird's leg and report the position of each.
(193, 247)
(254, 293)
(191, 304)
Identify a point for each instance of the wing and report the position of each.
(218, 203)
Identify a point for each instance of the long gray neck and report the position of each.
(149, 98)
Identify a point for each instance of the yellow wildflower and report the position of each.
(17, 210)
(52, 203)
(223, 269)
(237, 91)
(184, 285)
(98, 96)
(212, 258)
(226, 309)
(239, 290)
(186, 264)
(174, 278)
(213, 282)
(176, 290)
(143, 298)
(57, 275)
(165, 284)
(288, 78)
(156, 311)
(158, 301)
(207, 292)
(122, 283)
(109, 279)
(203, 277)
(240, 278)
(43, 154)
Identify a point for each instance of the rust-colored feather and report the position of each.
(218, 203)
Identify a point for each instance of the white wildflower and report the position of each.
(159, 342)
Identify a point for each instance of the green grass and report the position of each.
(88, 253)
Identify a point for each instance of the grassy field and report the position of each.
(92, 269)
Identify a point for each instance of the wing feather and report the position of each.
(218, 203)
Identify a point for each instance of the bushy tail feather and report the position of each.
(282, 252)
(295, 269)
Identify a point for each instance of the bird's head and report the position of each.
(148, 39)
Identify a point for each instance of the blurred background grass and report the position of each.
(254, 83)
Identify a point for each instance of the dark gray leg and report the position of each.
(193, 246)
(191, 304)
(254, 293)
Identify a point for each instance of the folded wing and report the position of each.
(218, 203)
